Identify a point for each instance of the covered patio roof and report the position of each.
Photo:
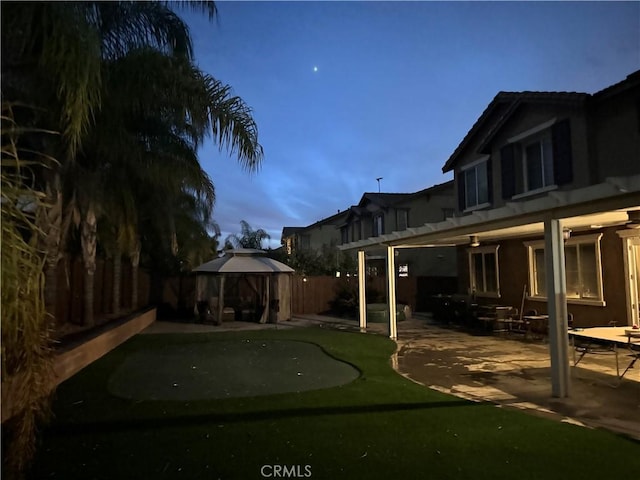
(613, 202)
(596, 206)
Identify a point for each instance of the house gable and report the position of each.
(524, 143)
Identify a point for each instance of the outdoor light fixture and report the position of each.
(473, 241)
(566, 233)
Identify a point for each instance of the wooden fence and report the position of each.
(309, 295)
(70, 290)
(314, 294)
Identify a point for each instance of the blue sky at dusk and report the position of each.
(397, 87)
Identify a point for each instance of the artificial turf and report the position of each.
(378, 426)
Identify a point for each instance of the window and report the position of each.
(402, 219)
(344, 234)
(483, 271)
(582, 271)
(537, 160)
(475, 185)
(582, 268)
(355, 234)
(378, 225)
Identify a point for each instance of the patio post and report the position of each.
(391, 292)
(557, 307)
(362, 296)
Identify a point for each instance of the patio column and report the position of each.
(362, 296)
(391, 292)
(557, 306)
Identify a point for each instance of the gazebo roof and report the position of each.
(243, 260)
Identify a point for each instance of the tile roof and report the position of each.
(510, 101)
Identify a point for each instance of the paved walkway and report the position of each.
(509, 372)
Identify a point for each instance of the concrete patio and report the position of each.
(515, 373)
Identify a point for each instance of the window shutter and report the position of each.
(507, 170)
(461, 194)
(562, 157)
(490, 180)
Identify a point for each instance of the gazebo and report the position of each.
(258, 287)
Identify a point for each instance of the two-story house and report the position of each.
(548, 189)
(378, 214)
(314, 239)
(532, 147)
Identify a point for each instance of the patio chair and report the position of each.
(504, 319)
(486, 317)
(513, 322)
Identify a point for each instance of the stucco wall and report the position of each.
(617, 140)
(513, 271)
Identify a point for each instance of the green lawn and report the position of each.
(379, 426)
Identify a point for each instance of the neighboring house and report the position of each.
(290, 240)
(320, 235)
(378, 214)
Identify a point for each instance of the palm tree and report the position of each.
(52, 58)
(248, 238)
(57, 57)
(156, 142)
(108, 37)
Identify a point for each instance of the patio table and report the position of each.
(612, 336)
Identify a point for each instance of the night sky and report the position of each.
(345, 92)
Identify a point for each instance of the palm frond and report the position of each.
(129, 25)
(206, 7)
(232, 125)
(48, 48)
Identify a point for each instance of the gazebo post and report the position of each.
(220, 299)
(265, 311)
